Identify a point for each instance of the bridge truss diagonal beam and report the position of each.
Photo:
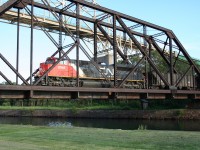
(111, 42)
(13, 69)
(131, 71)
(8, 5)
(67, 30)
(7, 80)
(53, 55)
(64, 55)
(156, 46)
(41, 27)
(112, 12)
(185, 53)
(142, 50)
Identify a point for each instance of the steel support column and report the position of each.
(111, 42)
(193, 78)
(159, 50)
(150, 69)
(146, 61)
(125, 48)
(142, 50)
(171, 62)
(131, 71)
(31, 43)
(60, 34)
(115, 50)
(95, 42)
(150, 53)
(17, 55)
(78, 42)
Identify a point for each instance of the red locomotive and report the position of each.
(64, 74)
(60, 70)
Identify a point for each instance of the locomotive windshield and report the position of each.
(50, 60)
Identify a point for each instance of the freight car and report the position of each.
(187, 83)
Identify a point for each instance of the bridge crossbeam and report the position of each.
(8, 5)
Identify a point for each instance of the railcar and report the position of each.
(65, 73)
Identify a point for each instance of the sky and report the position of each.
(181, 16)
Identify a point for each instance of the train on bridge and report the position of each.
(109, 32)
(64, 74)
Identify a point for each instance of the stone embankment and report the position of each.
(115, 114)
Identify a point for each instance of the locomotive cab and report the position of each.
(105, 69)
(41, 70)
(50, 60)
(63, 69)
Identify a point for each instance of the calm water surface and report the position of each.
(124, 124)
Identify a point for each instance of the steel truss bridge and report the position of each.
(131, 41)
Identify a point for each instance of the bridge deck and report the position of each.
(13, 91)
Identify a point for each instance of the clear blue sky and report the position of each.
(181, 16)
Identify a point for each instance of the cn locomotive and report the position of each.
(64, 74)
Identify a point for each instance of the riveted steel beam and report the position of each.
(111, 42)
(13, 69)
(7, 80)
(8, 5)
(156, 46)
(112, 12)
(185, 53)
(131, 71)
(142, 50)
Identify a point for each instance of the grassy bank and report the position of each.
(69, 104)
(94, 104)
(66, 138)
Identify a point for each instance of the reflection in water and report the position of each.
(124, 124)
(60, 124)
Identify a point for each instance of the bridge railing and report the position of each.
(46, 15)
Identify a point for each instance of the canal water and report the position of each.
(124, 124)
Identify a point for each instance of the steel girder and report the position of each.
(162, 30)
(8, 5)
(7, 80)
(118, 24)
(13, 69)
(44, 92)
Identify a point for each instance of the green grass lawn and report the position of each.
(18, 137)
